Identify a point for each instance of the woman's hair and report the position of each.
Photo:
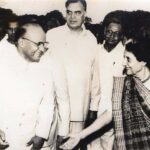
(141, 50)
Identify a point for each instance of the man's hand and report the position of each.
(3, 143)
(92, 115)
(60, 140)
(36, 142)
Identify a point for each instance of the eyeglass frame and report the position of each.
(110, 33)
(37, 44)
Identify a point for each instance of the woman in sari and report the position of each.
(130, 104)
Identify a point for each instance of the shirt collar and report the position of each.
(69, 30)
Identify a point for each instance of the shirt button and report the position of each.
(23, 114)
(20, 124)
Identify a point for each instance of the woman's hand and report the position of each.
(73, 141)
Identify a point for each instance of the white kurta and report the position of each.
(78, 52)
(111, 64)
(26, 98)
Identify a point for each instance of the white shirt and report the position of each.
(77, 51)
(110, 64)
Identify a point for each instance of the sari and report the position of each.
(131, 114)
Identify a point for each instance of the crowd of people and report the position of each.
(66, 83)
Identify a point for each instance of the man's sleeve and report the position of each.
(60, 85)
(95, 85)
(45, 112)
(62, 98)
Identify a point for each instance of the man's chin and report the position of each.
(129, 73)
(73, 27)
(36, 60)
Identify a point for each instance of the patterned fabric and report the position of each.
(132, 124)
(136, 122)
(119, 142)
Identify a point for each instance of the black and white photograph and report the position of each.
(74, 75)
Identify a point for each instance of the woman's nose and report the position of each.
(124, 63)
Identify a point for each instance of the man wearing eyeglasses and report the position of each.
(30, 86)
(111, 54)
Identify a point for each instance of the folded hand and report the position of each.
(36, 142)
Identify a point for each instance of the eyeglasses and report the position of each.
(110, 33)
(45, 44)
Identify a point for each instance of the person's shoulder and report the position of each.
(101, 49)
(90, 34)
(4, 39)
(56, 30)
(55, 34)
(50, 60)
(5, 45)
(121, 46)
(90, 38)
(101, 45)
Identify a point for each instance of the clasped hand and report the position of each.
(36, 142)
(73, 141)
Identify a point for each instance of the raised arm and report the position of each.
(100, 122)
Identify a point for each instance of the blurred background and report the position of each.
(97, 9)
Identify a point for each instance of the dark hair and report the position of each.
(141, 51)
(5, 15)
(113, 17)
(18, 34)
(13, 18)
(83, 2)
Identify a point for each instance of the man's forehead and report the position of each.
(34, 33)
(13, 24)
(33, 29)
(114, 27)
(77, 6)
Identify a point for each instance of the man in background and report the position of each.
(111, 54)
(13, 25)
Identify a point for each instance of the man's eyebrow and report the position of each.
(78, 11)
(112, 30)
(68, 10)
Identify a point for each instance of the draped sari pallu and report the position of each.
(131, 114)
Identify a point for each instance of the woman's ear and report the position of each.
(143, 63)
(85, 14)
(20, 42)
